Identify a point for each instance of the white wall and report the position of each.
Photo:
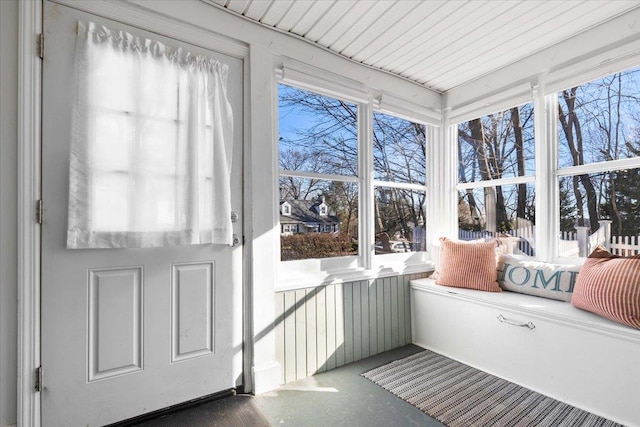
(8, 209)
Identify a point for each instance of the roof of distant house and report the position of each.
(307, 211)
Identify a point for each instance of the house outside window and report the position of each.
(305, 217)
(285, 208)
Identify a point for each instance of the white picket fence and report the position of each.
(625, 245)
(525, 244)
(571, 244)
(568, 245)
(526, 233)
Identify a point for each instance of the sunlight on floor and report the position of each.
(308, 384)
(306, 388)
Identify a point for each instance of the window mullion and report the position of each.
(447, 165)
(546, 158)
(311, 175)
(434, 168)
(605, 166)
(366, 206)
(399, 185)
(496, 182)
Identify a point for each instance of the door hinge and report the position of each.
(40, 44)
(39, 212)
(38, 382)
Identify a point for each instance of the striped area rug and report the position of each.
(461, 396)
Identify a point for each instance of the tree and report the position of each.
(570, 124)
(399, 156)
(599, 122)
(325, 141)
(567, 206)
(296, 188)
(520, 161)
(342, 198)
(325, 128)
(627, 202)
(494, 147)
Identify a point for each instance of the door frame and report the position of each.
(29, 191)
(29, 177)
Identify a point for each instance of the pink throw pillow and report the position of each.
(468, 265)
(609, 285)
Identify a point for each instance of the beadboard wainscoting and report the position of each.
(322, 328)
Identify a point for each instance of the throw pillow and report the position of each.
(468, 265)
(523, 275)
(435, 252)
(609, 285)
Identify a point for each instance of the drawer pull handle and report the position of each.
(503, 319)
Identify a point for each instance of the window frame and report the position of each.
(302, 273)
(547, 171)
(552, 102)
(410, 259)
(441, 166)
(298, 274)
(524, 179)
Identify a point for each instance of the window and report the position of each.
(354, 172)
(599, 162)
(496, 194)
(318, 159)
(399, 166)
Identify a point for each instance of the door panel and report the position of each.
(114, 322)
(129, 331)
(192, 313)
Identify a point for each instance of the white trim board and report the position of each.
(29, 121)
(147, 19)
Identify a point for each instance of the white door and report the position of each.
(129, 331)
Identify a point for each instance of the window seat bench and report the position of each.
(545, 345)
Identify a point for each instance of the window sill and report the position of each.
(317, 279)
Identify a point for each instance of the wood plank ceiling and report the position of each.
(438, 44)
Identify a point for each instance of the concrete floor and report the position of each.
(340, 397)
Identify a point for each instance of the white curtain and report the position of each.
(151, 145)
